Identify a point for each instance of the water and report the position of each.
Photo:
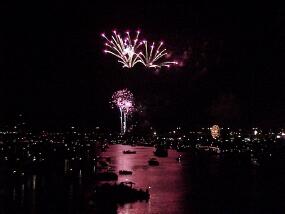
(197, 184)
(166, 181)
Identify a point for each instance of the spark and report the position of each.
(125, 49)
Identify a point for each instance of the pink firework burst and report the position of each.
(124, 100)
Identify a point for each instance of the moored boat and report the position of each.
(153, 162)
(125, 172)
(129, 152)
(161, 151)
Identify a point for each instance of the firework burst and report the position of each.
(124, 100)
(152, 57)
(132, 51)
(125, 49)
(215, 131)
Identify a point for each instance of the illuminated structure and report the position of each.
(123, 99)
(130, 52)
(215, 131)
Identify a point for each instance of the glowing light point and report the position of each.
(215, 131)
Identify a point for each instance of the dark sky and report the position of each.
(54, 72)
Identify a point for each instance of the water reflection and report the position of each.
(166, 180)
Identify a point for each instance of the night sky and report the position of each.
(53, 70)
